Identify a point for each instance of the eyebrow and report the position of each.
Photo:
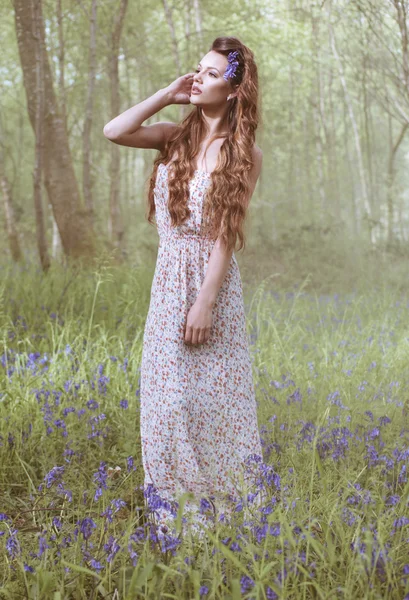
(199, 65)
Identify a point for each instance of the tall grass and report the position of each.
(331, 375)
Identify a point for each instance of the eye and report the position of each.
(197, 71)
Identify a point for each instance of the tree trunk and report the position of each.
(59, 177)
(11, 228)
(86, 148)
(393, 148)
(183, 108)
(316, 110)
(116, 229)
(199, 29)
(61, 65)
(361, 170)
(39, 141)
(9, 215)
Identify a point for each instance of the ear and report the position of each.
(236, 91)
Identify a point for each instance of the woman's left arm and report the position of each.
(199, 318)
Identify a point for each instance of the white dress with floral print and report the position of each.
(198, 416)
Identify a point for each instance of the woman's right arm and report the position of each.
(127, 130)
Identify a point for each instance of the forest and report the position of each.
(325, 289)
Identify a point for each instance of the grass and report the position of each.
(331, 377)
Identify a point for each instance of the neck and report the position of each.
(216, 123)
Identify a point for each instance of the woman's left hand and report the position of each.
(198, 324)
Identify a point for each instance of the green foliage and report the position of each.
(330, 383)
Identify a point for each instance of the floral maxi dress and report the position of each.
(198, 417)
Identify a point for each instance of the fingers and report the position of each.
(188, 335)
(203, 337)
(195, 337)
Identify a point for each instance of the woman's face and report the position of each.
(209, 79)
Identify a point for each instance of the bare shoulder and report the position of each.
(255, 170)
(257, 154)
(258, 161)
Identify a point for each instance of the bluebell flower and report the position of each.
(12, 544)
(28, 568)
(111, 548)
(92, 404)
(232, 65)
(95, 564)
(100, 478)
(102, 384)
(57, 523)
(42, 546)
(246, 583)
(53, 476)
(400, 522)
(86, 527)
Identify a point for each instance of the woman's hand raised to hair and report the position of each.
(180, 89)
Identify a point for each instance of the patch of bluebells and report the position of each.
(339, 437)
(54, 478)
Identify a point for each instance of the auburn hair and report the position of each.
(226, 198)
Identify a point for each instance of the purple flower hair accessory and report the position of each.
(232, 66)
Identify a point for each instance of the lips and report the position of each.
(196, 90)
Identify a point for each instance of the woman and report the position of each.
(198, 409)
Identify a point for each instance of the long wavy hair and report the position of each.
(226, 198)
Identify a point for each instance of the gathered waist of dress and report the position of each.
(180, 238)
(176, 241)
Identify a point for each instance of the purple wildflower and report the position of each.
(92, 404)
(100, 478)
(246, 584)
(12, 544)
(95, 564)
(42, 546)
(28, 568)
(86, 527)
(111, 548)
(232, 65)
(400, 522)
(53, 476)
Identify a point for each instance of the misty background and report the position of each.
(331, 204)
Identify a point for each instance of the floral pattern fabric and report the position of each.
(198, 418)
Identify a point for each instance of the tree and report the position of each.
(72, 219)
